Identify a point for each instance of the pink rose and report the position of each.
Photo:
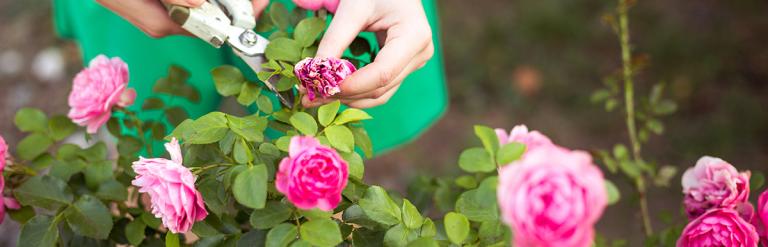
(762, 217)
(5, 202)
(97, 89)
(718, 227)
(552, 197)
(520, 133)
(171, 189)
(713, 183)
(322, 76)
(330, 5)
(313, 175)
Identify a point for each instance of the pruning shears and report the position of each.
(211, 23)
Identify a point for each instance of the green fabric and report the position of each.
(419, 102)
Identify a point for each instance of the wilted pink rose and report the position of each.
(322, 76)
(97, 89)
(5, 202)
(713, 183)
(313, 175)
(718, 227)
(552, 197)
(171, 189)
(330, 5)
(520, 133)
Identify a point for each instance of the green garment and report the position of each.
(419, 102)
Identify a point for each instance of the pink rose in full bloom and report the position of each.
(718, 227)
(5, 202)
(171, 189)
(713, 183)
(313, 175)
(520, 133)
(322, 76)
(97, 89)
(552, 197)
(330, 5)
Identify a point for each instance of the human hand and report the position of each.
(401, 25)
(152, 18)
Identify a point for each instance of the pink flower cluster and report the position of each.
(5, 202)
(313, 175)
(97, 89)
(171, 189)
(322, 76)
(552, 196)
(330, 5)
(717, 202)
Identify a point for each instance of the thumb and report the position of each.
(345, 26)
(259, 6)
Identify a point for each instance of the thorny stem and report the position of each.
(629, 98)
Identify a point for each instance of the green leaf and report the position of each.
(456, 227)
(281, 235)
(40, 231)
(45, 192)
(309, 51)
(476, 160)
(321, 232)
(510, 152)
(488, 138)
(128, 146)
(209, 128)
(252, 238)
(61, 127)
(411, 216)
(249, 93)
(65, 169)
(226, 144)
(271, 215)
(89, 217)
(308, 30)
(21, 215)
(31, 120)
(251, 128)
(340, 137)
(326, 113)
(98, 172)
(378, 206)
(428, 229)
(228, 80)
(355, 162)
(284, 49)
(396, 236)
(757, 180)
(242, 152)
(134, 232)
(480, 204)
(265, 104)
(316, 214)
(172, 240)
(466, 182)
(351, 115)
(283, 143)
(285, 83)
(150, 220)
(153, 103)
(250, 187)
(280, 16)
(363, 141)
(367, 237)
(112, 190)
(33, 145)
(304, 123)
(613, 192)
(424, 242)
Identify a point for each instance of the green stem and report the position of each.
(629, 98)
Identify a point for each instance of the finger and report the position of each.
(391, 61)
(185, 3)
(368, 103)
(152, 20)
(413, 65)
(351, 17)
(259, 6)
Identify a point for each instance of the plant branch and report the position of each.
(629, 98)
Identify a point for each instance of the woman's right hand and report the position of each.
(151, 17)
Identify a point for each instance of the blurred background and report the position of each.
(512, 62)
